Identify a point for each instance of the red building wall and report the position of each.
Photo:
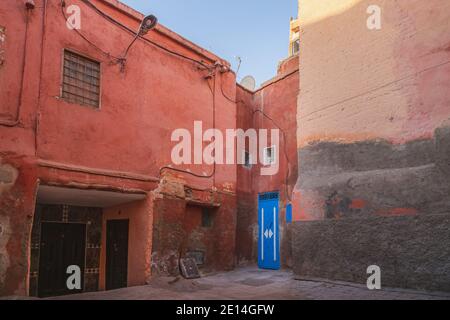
(119, 147)
(273, 106)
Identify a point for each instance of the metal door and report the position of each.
(62, 245)
(269, 236)
(116, 254)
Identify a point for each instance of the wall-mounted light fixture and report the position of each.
(147, 24)
(30, 5)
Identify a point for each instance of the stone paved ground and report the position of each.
(252, 284)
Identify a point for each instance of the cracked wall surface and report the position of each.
(8, 176)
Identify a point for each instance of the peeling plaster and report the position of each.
(8, 176)
(5, 233)
(2, 41)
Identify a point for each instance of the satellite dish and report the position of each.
(249, 83)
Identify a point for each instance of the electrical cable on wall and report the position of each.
(288, 196)
(118, 23)
(288, 173)
(213, 173)
(148, 23)
(109, 55)
(122, 59)
(210, 67)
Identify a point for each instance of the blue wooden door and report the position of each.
(269, 236)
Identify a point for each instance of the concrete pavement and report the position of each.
(254, 284)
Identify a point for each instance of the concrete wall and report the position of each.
(373, 142)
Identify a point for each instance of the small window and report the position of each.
(247, 160)
(296, 47)
(81, 80)
(207, 217)
(269, 156)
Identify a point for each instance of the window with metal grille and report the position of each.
(81, 80)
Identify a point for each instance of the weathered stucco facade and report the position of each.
(53, 152)
(374, 142)
(103, 175)
(277, 99)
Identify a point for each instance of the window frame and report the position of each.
(250, 160)
(100, 86)
(265, 159)
(295, 43)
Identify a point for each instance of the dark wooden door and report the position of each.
(62, 245)
(116, 254)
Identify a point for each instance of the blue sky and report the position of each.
(255, 30)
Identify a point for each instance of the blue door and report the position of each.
(269, 236)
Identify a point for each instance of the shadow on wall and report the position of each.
(374, 146)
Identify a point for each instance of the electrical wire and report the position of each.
(213, 173)
(288, 196)
(278, 80)
(114, 21)
(109, 55)
(201, 63)
(227, 97)
(121, 59)
(135, 34)
(129, 47)
(288, 173)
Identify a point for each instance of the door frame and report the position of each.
(274, 199)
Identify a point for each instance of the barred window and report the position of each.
(81, 80)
